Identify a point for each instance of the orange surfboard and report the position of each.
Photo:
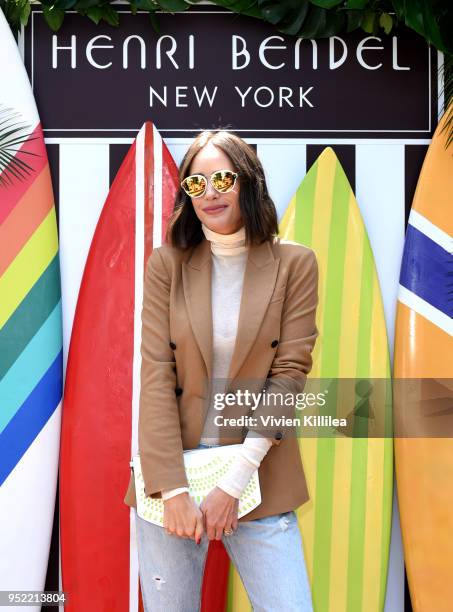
(423, 389)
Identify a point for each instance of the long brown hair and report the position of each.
(257, 208)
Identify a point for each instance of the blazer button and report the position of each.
(178, 391)
(278, 435)
(172, 345)
(274, 343)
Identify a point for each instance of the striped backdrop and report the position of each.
(383, 175)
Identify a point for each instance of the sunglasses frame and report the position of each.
(235, 178)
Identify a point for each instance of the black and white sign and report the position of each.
(211, 69)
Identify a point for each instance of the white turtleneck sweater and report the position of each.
(229, 258)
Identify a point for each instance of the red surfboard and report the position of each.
(100, 410)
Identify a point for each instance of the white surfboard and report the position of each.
(31, 367)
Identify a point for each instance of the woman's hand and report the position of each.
(220, 511)
(183, 518)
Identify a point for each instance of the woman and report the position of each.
(227, 306)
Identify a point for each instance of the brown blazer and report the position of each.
(275, 337)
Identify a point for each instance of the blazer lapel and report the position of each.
(260, 276)
(196, 279)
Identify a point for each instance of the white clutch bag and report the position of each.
(204, 468)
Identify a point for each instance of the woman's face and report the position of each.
(218, 211)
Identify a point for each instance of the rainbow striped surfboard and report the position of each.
(31, 354)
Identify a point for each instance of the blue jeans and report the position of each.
(267, 553)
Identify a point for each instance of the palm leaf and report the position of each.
(446, 78)
(448, 96)
(13, 133)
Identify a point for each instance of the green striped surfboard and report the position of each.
(346, 523)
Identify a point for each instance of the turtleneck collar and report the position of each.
(226, 244)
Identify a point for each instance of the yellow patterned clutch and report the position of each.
(204, 468)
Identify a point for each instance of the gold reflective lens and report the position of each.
(223, 181)
(194, 185)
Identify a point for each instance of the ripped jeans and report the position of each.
(267, 553)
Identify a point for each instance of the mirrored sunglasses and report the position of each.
(223, 181)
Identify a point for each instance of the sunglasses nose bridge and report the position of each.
(210, 189)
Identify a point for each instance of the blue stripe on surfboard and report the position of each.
(28, 421)
(30, 366)
(425, 268)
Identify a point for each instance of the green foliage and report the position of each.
(173, 5)
(327, 4)
(105, 12)
(386, 22)
(307, 18)
(16, 12)
(54, 16)
(356, 4)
